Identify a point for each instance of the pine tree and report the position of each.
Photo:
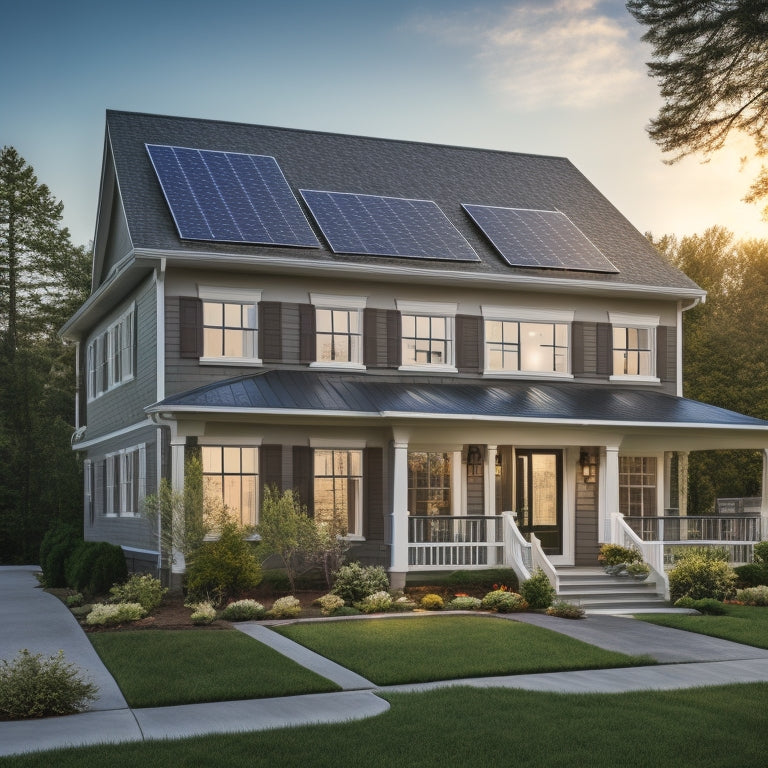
(42, 279)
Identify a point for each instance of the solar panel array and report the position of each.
(387, 226)
(230, 197)
(530, 238)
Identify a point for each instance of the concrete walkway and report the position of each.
(37, 621)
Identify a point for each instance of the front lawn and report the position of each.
(157, 668)
(741, 624)
(416, 650)
(697, 728)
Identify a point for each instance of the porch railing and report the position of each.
(736, 533)
(450, 542)
(517, 551)
(653, 551)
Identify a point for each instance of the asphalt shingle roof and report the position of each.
(448, 175)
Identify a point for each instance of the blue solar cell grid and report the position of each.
(230, 197)
(530, 238)
(387, 226)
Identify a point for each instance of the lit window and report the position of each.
(633, 351)
(230, 476)
(429, 483)
(229, 329)
(338, 489)
(337, 332)
(511, 345)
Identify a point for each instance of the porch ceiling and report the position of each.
(647, 413)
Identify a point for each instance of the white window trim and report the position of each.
(333, 301)
(101, 346)
(445, 309)
(645, 322)
(527, 315)
(233, 296)
(141, 451)
(350, 304)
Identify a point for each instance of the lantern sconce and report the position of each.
(588, 462)
(475, 460)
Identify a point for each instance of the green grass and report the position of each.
(161, 668)
(412, 650)
(741, 624)
(697, 728)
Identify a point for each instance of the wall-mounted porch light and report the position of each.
(588, 462)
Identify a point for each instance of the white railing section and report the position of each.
(517, 551)
(450, 542)
(653, 551)
(540, 560)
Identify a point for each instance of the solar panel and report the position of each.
(230, 197)
(529, 238)
(387, 226)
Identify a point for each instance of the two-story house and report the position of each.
(462, 353)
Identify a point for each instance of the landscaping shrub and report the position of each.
(503, 601)
(57, 545)
(751, 575)
(432, 602)
(403, 604)
(346, 610)
(243, 610)
(753, 595)
(486, 579)
(284, 608)
(760, 553)
(32, 686)
(353, 582)
(464, 603)
(565, 610)
(614, 554)
(94, 566)
(699, 574)
(111, 614)
(224, 568)
(143, 588)
(202, 612)
(537, 590)
(378, 602)
(704, 605)
(74, 601)
(329, 604)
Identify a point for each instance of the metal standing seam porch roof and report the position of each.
(280, 391)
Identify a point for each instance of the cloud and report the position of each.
(547, 53)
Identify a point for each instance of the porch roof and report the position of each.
(318, 393)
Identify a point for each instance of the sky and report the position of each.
(552, 77)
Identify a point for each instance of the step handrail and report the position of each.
(517, 551)
(540, 560)
(652, 551)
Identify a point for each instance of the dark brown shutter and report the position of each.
(307, 345)
(270, 332)
(666, 353)
(271, 467)
(304, 476)
(577, 349)
(370, 337)
(373, 494)
(604, 349)
(190, 326)
(469, 343)
(394, 339)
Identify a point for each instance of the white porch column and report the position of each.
(764, 500)
(399, 554)
(609, 488)
(177, 483)
(490, 480)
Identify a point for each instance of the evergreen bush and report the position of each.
(94, 566)
(33, 686)
(487, 579)
(698, 574)
(537, 591)
(111, 614)
(431, 602)
(142, 588)
(57, 545)
(284, 608)
(565, 610)
(243, 610)
(753, 595)
(504, 601)
(353, 582)
(378, 602)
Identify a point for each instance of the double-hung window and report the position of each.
(634, 346)
(110, 355)
(429, 483)
(338, 489)
(231, 477)
(527, 341)
(126, 483)
(230, 325)
(638, 486)
(338, 330)
(427, 335)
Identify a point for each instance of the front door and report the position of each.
(538, 497)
